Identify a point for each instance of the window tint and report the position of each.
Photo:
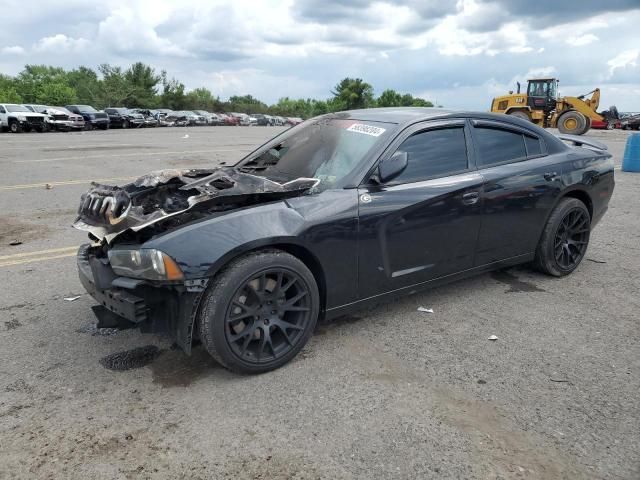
(434, 153)
(2, 110)
(498, 146)
(533, 146)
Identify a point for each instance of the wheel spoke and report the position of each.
(293, 300)
(289, 284)
(284, 324)
(295, 308)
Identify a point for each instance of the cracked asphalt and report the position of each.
(388, 393)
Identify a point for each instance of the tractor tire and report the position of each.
(587, 126)
(572, 122)
(520, 114)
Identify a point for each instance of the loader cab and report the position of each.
(542, 93)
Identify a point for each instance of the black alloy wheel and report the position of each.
(259, 312)
(572, 238)
(565, 238)
(267, 315)
(125, 124)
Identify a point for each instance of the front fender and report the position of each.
(202, 248)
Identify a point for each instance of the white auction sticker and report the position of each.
(366, 129)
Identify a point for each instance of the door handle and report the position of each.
(549, 176)
(470, 198)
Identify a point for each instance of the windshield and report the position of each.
(17, 108)
(86, 108)
(326, 149)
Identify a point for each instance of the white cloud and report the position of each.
(579, 41)
(14, 50)
(624, 59)
(60, 43)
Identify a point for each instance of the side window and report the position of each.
(434, 153)
(2, 110)
(533, 146)
(498, 146)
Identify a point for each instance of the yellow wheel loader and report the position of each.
(542, 106)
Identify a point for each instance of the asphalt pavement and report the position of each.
(390, 392)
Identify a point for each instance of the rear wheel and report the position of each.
(572, 122)
(520, 114)
(565, 238)
(125, 124)
(259, 312)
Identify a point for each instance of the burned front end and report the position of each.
(136, 285)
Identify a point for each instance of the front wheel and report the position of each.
(565, 238)
(572, 123)
(259, 312)
(14, 126)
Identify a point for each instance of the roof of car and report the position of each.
(396, 114)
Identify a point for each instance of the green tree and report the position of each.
(56, 94)
(144, 81)
(202, 99)
(353, 93)
(389, 98)
(31, 81)
(173, 96)
(86, 84)
(115, 90)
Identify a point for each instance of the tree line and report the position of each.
(140, 86)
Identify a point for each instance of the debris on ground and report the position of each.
(493, 338)
(15, 242)
(72, 299)
(48, 186)
(128, 359)
(186, 135)
(595, 261)
(425, 309)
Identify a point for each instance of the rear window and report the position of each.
(533, 146)
(497, 146)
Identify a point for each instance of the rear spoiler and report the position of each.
(580, 141)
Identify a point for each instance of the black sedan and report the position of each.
(341, 211)
(124, 118)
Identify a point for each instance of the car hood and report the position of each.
(107, 211)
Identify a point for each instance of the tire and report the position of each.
(520, 114)
(14, 126)
(125, 124)
(88, 126)
(104, 127)
(565, 237)
(242, 307)
(572, 122)
(587, 126)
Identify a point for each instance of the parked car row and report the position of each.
(42, 118)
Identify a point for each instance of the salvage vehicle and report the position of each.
(124, 118)
(92, 117)
(18, 118)
(342, 211)
(75, 121)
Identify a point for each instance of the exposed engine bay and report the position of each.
(107, 211)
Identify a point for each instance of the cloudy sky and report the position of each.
(458, 53)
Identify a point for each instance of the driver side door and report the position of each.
(423, 224)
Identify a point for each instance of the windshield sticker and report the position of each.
(366, 129)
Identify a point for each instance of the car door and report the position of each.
(3, 116)
(521, 184)
(423, 224)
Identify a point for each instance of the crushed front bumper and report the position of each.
(153, 308)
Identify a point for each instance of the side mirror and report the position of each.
(393, 166)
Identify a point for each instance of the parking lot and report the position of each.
(388, 393)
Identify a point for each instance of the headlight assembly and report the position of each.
(145, 263)
(21, 118)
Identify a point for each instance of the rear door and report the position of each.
(423, 224)
(521, 184)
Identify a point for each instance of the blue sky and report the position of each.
(459, 53)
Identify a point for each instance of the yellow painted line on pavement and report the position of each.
(64, 182)
(138, 154)
(39, 256)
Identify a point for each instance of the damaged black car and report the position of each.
(334, 214)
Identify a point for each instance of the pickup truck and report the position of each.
(18, 118)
